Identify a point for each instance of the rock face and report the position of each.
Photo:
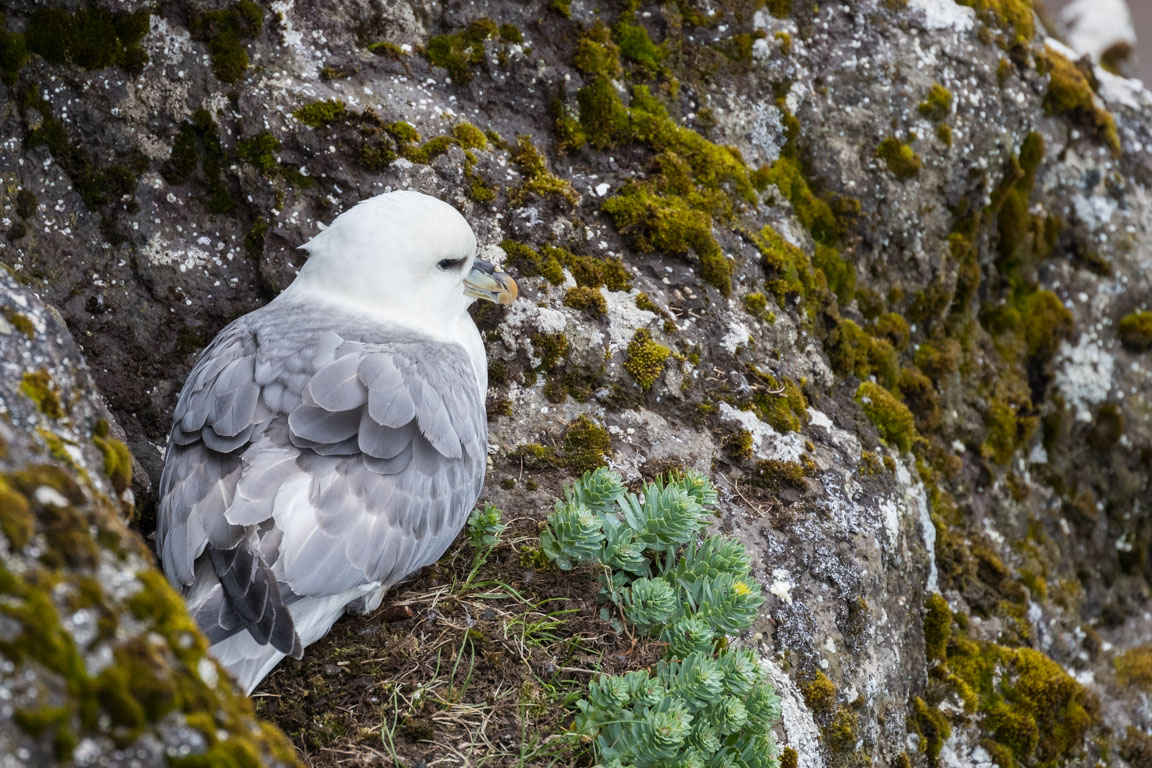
(99, 662)
(880, 268)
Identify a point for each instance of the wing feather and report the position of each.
(305, 462)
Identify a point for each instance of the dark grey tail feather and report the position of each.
(253, 593)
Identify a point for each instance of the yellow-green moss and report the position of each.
(538, 180)
(551, 348)
(789, 758)
(776, 475)
(944, 134)
(937, 626)
(20, 322)
(387, 48)
(646, 358)
(1135, 330)
(940, 358)
(1070, 94)
(460, 51)
(117, 460)
(637, 46)
(16, 521)
(587, 445)
(853, 350)
(669, 224)
(900, 158)
(780, 403)
(1134, 668)
(1013, 16)
(839, 273)
(934, 730)
(39, 387)
(788, 270)
(894, 329)
(814, 212)
(321, 113)
(590, 271)
(937, 105)
(530, 262)
(819, 693)
(893, 420)
(585, 299)
(757, 306)
(469, 136)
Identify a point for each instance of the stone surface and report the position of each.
(1006, 227)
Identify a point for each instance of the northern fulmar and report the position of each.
(333, 442)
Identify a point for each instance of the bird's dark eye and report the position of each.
(446, 264)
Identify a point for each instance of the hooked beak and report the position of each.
(484, 282)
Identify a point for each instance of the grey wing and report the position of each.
(393, 443)
(355, 463)
(217, 562)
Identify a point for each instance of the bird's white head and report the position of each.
(404, 256)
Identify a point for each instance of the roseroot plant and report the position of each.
(705, 704)
(484, 528)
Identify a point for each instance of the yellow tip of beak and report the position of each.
(484, 282)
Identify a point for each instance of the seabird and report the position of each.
(331, 443)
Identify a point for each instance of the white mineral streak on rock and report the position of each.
(766, 442)
(1084, 374)
(1094, 26)
(945, 14)
(800, 731)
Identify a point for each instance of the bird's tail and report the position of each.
(250, 662)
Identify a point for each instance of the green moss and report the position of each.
(900, 158)
(16, 520)
(591, 271)
(402, 132)
(597, 54)
(197, 154)
(892, 418)
(894, 329)
(585, 299)
(534, 455)
(90, 38)
(644, 302)
(39, 387)
(25, 204)
(670, 224)
(225, 31)
(321, 113)
(779, 403)
(552, 348)
(429, 150)
(117, 462)
(757, 305)
(587, 445)
(814, 213)
(779, 8)
(13, 53)
(254, 237)
(939, 359)
(20, 322)
(637, 46)
(934, 730)
(1135, 330)
(530, 262)
(260, 150)
(646, 358)
(562, 7)
(469, 136)
(1046, 321)
(538, 180)
(839, 273)
(937, 105)
(853, 350)
(739, 444)
(1134, 668)
(937, 626)
(944, 134)
(460, 51)
(789, 758)
(386, 48)
(787, 269)
(510, 33)
(1070, 94)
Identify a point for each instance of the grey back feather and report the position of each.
(306, 461)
